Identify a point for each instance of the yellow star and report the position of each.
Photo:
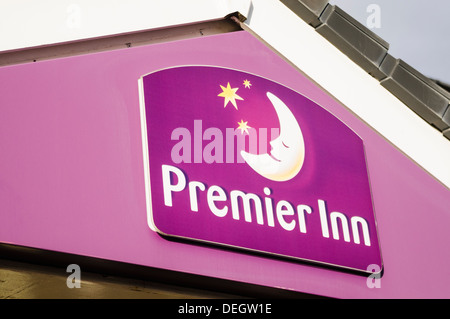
(230, 95)
(247, 84)
(243, 127)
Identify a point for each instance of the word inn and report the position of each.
(283, 213)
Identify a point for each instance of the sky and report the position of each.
(416, 30)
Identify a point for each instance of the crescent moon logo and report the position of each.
(287, 155)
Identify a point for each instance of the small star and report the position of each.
(243, 127)
(247, 84)
(230, 95)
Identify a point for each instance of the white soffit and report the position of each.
(298, 42)
(29, 23)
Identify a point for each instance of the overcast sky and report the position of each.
(417, 30)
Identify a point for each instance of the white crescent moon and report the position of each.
(288, 149)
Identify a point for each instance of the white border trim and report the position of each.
(143, 118)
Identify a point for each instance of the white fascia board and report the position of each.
(29, 23)
(299, 43)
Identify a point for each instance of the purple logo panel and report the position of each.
(238, 160)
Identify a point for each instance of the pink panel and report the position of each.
(72, 178)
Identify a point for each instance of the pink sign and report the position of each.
(72, 177)
(239, 160)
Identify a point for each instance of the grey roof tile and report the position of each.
(360, 44)
(421, 94)
(424, 96)
(446, 118)
(308, 10)
(447, 133)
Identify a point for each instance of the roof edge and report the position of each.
(369, 51)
